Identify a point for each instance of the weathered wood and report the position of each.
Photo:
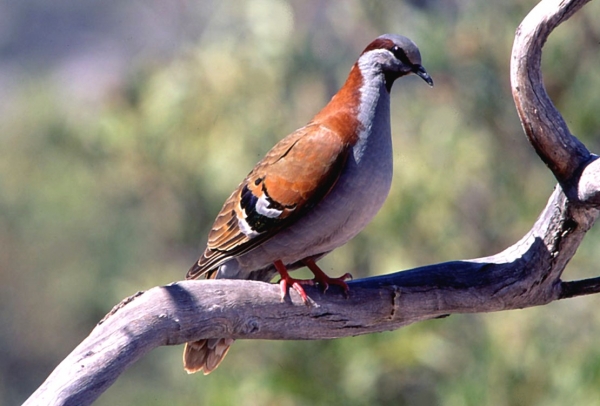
(543, 124)
(524, 275)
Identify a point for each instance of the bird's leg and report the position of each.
(323, 279)
(287, 281)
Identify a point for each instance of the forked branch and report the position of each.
(524, 275)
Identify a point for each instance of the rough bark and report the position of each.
(524, 275)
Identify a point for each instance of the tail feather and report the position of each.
(205, 355)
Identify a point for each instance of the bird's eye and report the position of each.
(401, 55)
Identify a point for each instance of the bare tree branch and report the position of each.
(543, 124)
(580, 288)
(524, 275)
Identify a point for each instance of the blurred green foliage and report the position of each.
(101, 198)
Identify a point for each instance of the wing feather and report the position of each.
(293, 177)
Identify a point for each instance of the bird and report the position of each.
(313, 191)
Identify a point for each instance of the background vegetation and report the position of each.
(125, 125)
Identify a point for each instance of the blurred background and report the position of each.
(125, 125)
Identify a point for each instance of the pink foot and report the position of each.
(324, 280)
(287, 281)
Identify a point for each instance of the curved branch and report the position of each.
(524, 275)
(544, 126)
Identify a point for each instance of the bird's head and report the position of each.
(394, 56)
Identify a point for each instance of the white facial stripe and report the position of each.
(262, 208)
(366, 61)
(370, 92)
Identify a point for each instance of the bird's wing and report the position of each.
(293, 177)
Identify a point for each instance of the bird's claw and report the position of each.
(324, 281)
(295, 284)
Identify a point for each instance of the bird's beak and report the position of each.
(422, 73)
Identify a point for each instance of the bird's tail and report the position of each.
(205, 355)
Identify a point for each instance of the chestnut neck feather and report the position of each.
(350, 112)
(341, 113)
